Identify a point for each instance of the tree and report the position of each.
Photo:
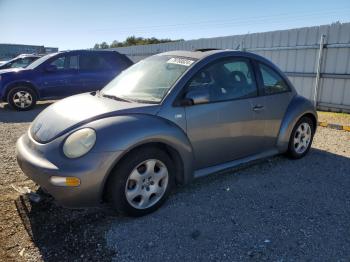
(114, 44)
(104, 45)
(132, 40)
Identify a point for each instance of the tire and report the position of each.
(301, 138)
(22, 98)
(131, 191)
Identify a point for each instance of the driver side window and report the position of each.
(59, 62)
(66, 62)
(226, 80)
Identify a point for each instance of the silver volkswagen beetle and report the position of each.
(167, 119)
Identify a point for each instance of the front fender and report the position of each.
(298, 107)
(126, 132)
(13, 83)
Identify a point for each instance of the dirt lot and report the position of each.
(278, 210)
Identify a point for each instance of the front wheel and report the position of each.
(22, 98)
(301, 138)
(141, 182)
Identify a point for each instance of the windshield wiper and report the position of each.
(116, 98)
(142, 101)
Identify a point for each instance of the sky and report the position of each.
(79, 24)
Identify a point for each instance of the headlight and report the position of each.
(79, 143)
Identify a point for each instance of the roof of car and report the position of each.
(202, 53)
(197, 54)
(88, 51)
(28, 55)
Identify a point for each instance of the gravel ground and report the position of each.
(277, 209)
(334, 118)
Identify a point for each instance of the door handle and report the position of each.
(258, 108)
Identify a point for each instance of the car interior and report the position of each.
(223, 84)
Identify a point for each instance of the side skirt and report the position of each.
(235, 163)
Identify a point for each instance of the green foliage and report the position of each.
(104, 45)
(132, 40)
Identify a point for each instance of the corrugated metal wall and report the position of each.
(295, 51)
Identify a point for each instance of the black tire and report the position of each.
(28, 91)
(292, 152)
(118, 180)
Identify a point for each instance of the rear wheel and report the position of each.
(22, 98)
(301, 138)
(141, 182)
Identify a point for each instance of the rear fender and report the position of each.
(298, 107)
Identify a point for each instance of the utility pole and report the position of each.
(318, 69)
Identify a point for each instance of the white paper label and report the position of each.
(180, 61)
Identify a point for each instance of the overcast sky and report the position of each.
(73, 24)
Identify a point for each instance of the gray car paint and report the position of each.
(79, 109)
(41, 161)
(188, 130)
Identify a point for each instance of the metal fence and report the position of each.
(316, 59)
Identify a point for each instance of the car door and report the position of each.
(226, 127)
(58, 78)
(277, 95)
(95, 71)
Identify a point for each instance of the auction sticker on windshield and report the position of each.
(180, 61)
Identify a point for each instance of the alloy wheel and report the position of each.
(302, 138)
(22, 99)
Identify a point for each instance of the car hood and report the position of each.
(74, 111)
(10, 70)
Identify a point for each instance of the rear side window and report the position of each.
(73, 62)
(94, 62)
(273, 82)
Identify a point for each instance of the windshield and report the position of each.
(40, 61)
(148, 80)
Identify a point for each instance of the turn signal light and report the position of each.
(64, 181)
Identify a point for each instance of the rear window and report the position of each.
(122, 60)
(94, 62)
(116, 60)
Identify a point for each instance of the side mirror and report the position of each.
(51, 68)
(196, 96)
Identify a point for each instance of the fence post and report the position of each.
(241, 45)
(318, 69)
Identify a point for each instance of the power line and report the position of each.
(220, 22)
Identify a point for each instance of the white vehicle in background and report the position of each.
(20, 61)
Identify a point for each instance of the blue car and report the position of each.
(60, 75)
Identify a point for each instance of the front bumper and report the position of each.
(41, 161)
